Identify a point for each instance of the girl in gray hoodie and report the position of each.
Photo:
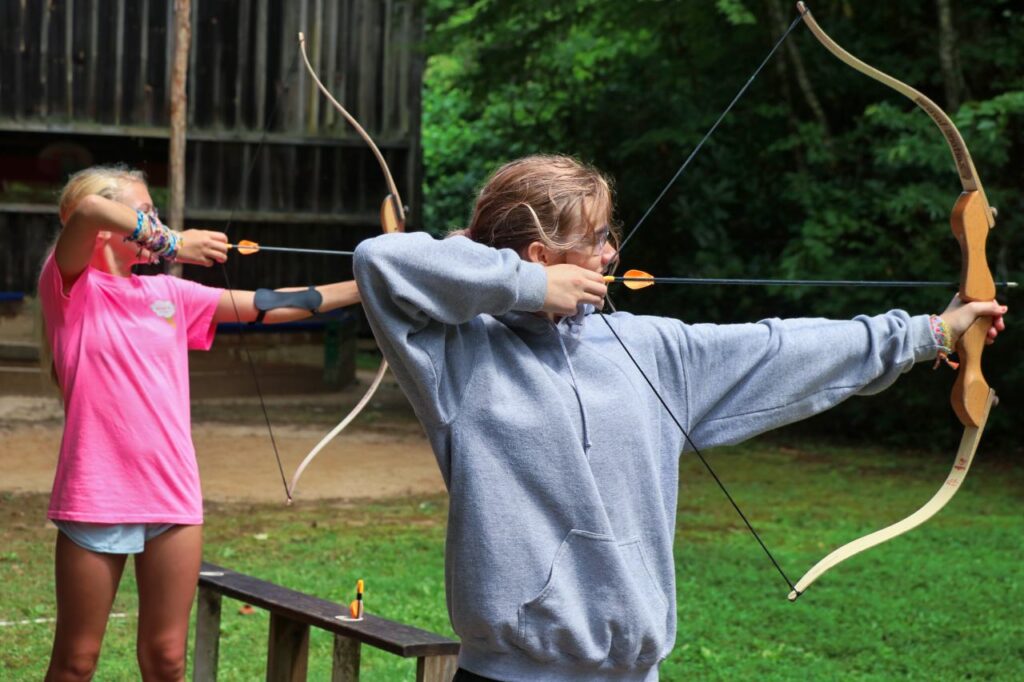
(560, 462)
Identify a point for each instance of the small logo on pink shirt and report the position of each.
(164, 309)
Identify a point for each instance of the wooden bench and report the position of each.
(292, 613)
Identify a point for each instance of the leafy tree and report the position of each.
(818, 172)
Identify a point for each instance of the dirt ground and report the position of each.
(383, 454)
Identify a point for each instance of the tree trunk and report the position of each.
(949, 57)
(179, 102)
(804, 83)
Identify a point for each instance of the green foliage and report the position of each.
(828, 176)
(890, 613)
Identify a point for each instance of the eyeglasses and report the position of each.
(598, 240)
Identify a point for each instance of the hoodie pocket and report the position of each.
(600, 604)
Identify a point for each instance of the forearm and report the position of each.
(336, 295)
(78, 238)
(410, 280)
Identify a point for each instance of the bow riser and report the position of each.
(392, 217)
(970, 227)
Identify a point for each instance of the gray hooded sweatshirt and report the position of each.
(560, 463)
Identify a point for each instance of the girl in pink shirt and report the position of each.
(127, 480)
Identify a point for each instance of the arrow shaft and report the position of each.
(283, 249)
(799, 282)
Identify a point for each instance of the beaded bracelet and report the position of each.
(944, 340)
(155, 237)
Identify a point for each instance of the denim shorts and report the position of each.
(112, 538)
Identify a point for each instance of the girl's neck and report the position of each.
(105, 260)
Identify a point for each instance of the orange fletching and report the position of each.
(246, 247)
(635, 275)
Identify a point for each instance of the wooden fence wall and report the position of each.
(87, 81)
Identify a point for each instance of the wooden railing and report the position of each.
(292, 614)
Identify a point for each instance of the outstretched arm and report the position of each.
(337, 295)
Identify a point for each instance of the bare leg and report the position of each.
(86, 585)
(167, 573)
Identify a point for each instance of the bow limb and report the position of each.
(972, 398)
(392, 219)
(392, 213)
(374, 385)
(964, 457)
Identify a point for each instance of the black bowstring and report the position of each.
(243, 347)
(618, 253)
(711, 130)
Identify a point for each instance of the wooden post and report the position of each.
(179, 101)
(204, 664)
(345, 667)
(436, 668)
(287, 650)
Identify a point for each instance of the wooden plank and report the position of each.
(287, 649)
(218, 191)
(196, 134)
(288, 106)
(194, 174)
(119, 62)
(242, 69)
(436, 668)
(392, 70)
(338, 180)
(244, 176)
(260, 72)
(215, 97)
(411, 114)
(331, 61)
(397, 638)
(169, 48)
(143, 111)
(194, 28)
(43, 107)
(345, 666)
(207, 644)
(368, 64)
(315, 181)
(316, 28)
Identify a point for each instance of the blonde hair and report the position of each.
(108, 182)
(556, 200)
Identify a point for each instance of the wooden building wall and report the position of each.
(86, 81)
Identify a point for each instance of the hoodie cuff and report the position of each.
(924, 343)
(533, 287)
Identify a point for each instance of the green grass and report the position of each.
(941, 603)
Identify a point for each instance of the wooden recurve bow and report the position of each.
(972, 398)
(392, 219)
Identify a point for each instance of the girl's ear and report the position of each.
(537, 252)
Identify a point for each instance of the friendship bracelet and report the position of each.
(139, 218)
(155, 237)
(943, 336)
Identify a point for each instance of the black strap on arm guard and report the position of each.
(268, 299)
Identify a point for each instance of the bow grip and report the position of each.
(971, 222)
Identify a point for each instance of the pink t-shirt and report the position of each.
(120, 349)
